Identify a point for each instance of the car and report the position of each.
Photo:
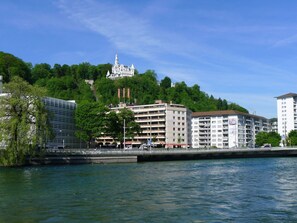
(128, 147)
(266, 146)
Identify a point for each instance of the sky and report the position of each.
(241, 51)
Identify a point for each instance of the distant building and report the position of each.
(166, 125)
(62, 122)
(226, 129)
(120, 70)
(286, 113)
(272, 125)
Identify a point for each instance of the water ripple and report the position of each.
(238, 190)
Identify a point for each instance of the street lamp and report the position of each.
(61, 137)
(124, 134)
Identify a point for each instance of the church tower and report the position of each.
(120, 70)
(116, 61)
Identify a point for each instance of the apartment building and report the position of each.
(286, 113)
(164, 124)
(226, 129)
(272, 127)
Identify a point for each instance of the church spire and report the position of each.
(116, 61)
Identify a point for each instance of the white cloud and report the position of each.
(214, 67)
(286, 41)
(127, 32)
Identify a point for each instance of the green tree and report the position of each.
(106, 91)
(65, 82)
(90, 120)
(261, 138)
(272, 138)
(40, 71)
(165, 83)
(116, 123)
(24, 122)
(292, 138)
(11, 66)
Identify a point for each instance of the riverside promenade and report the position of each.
(84, 156)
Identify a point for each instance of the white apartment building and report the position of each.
(286, 113)
(226, 129)
(120, 70)
(272, 127)
(166, 125)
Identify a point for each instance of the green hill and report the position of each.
(68, 82)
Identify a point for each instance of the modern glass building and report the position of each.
(63, 124)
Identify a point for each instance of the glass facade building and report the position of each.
(63, 124)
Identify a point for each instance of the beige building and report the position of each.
(166, 125)
(226, 129)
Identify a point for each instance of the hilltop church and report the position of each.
(120, 70)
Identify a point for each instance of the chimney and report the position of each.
(1, 84)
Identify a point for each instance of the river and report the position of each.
(230, 190)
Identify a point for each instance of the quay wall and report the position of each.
(84, 156)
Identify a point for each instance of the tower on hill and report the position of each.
(120, 70)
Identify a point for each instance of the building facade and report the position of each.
(226, 129)
(165, 125)
(61, 118)
(286, 114)
(63, 124)
(120, 70)
(273, 125)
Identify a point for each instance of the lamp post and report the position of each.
(62, 138)
(124, 134)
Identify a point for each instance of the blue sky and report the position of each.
(242, 51)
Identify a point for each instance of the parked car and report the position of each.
(128, 147)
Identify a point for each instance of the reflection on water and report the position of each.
(238, 190)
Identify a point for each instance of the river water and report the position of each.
(230, 190)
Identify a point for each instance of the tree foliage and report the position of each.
(272, 138)
(90, 119)
(116, 122)
(24, 121)
(11, 66)
(292, 138)
(68, 82)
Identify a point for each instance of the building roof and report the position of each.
(289, 95)
(224, 112)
